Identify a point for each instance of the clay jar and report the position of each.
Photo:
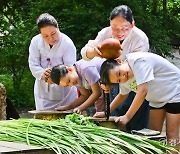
(110, 48)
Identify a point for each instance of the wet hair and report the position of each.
(123, 11)
(58, 72)
(105, 68)
(46, 19)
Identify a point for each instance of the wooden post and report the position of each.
(3, 104)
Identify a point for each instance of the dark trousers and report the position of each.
(140, 119)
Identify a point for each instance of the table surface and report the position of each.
(14, 147)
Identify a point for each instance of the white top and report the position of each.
(161, 76)
(47, 97)
(134, 42)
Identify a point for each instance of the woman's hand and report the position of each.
(49, 81)
(119, 60)
(99, 115)
(97, 52)
(93, 52)
(46, 74)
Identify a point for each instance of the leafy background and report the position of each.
(80, 20)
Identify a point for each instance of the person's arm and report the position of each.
(89, 51)
(84, 94)
(141, 46)
(34, 60)
(92, 52)
(140, 41)
(115, 103)
(137, 102)
(96, 93)
(69, 52)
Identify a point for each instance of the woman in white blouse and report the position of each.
(47, 49)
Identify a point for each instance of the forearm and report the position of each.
(137, 102)
(34, 60)
(117, 101)
(78, 101)
(87, 51)
(37, 71)
(90, 101)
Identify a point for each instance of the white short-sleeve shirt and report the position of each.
(161, 76)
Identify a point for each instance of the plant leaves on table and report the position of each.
(67, 137)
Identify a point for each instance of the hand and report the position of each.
(119, 60)
(93, 52)
(97, 52)
(99, 115)
(106, 88)
(78, 110)
(49, 81)
(123, 120)
(62, 108)
(46, 74)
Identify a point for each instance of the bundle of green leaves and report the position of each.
(76, 135)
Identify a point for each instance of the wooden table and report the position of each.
(50, 114)
(16, 148)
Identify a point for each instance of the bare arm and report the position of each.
(84, 94)
(137, 102)
(96, 93)
(88, 51)
(115, 103)
(93, 52)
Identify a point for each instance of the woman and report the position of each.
(47, 49)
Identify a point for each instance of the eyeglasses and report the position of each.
(123, 28)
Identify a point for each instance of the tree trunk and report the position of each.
(2, 102)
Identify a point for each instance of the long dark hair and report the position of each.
(58, 72)
(105, 68)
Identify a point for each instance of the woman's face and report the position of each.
(50, 34)
(120, 27)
